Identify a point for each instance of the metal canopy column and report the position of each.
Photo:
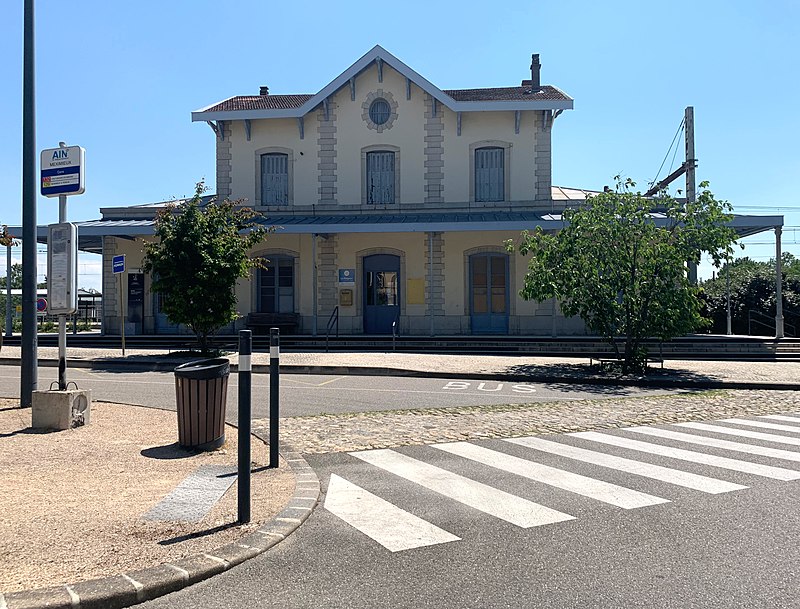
(430, 278)
(9, 318)
(314, 283)
(778, 278)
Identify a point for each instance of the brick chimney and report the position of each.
(536, 68)
(263, 90)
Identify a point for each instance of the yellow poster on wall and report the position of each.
(415, 291)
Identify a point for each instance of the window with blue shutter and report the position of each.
(380, 178)
(274, 179)
(489, 174)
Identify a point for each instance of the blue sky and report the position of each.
(120, 79)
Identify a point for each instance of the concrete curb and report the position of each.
(589, 379)
(127, 589)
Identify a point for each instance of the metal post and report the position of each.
(314, 284)
(9, 318)
(690, 176)
(245, 416)
(122, 313)
(274, 406)
(430, 278)
(778, 287)
(62, 319)
(29, 374)
(728, 291)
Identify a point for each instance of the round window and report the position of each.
(379, 111)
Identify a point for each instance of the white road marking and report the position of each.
(762, 425)
(393, 528)
(778, 417)
(648, 470)
(581, 485)
(743, 433)
(751, 449)
(778, 473)
(485, 498)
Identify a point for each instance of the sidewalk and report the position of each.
(104, 476)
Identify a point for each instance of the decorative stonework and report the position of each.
(110, 302)
(542, 152)
(327, 264)
(434, 151)
(434, 278)
(326, 153)
(223, 159)
(379, 94)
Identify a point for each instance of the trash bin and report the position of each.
(201, 390)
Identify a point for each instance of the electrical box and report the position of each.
(346, 297)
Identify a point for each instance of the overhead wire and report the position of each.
(666, 156)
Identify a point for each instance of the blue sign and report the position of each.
(62, 171)
(347, 275)
(118, 263)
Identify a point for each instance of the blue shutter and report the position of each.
(274, 179)
(380, 178)
(489, 174)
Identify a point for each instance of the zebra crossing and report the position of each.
(692, 457)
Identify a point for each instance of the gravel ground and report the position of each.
(72, 501)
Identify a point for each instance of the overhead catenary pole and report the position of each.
(778, 287)
(29, 372)
(690, 164)
(9, 318)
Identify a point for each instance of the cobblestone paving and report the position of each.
(361, 431)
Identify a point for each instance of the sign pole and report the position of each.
(122, 306)
(62, 319)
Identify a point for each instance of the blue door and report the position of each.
(381, 293)
(488, 289)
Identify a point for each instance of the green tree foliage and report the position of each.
(752, 289)
(16, 278)
(199, 253)
(624, 275)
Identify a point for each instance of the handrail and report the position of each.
(395, 329)
(787, 327)
(332, 320)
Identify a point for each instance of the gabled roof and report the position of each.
(458, 100)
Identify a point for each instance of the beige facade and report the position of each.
(392, 199)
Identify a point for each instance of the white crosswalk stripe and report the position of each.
(648, 470)
(780, 417)
(747, 467)
(751, 449)
(393, 528)
(483, 497)
(398, 529)
(742, 433)
(580, 485)
(762, 425)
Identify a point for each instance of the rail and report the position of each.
(395, 329)
(333, 320)
(757, 317)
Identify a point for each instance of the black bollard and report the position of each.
(245, 409)
(274, 373)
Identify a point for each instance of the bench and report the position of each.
(615, 360)
(260, 323)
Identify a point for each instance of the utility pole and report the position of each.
(690, 163)
(29, 375)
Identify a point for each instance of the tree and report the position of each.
(200, 251)
(16, 278)
(620, 264)
(6, 239)
(752, 289)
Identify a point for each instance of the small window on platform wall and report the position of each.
(274, 179)
(276, 286)
(490, 174)
(380, 177)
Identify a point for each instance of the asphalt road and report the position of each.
(311, 394)
(684, 547)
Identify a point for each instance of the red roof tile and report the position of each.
(545, 93)
(260, 102)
